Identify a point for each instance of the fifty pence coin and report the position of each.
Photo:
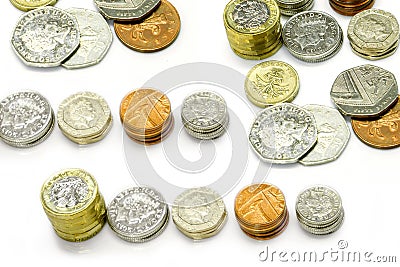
(95, 39)
(45, 37)
(26, 5)
(333, 135)
(364, 91)
(126, 10)
(283, 133)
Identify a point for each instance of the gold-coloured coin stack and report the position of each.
(74, 205)
(146, 115)
(253, 28)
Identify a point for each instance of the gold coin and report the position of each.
(26, 5)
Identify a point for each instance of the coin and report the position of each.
(155, 33)
(350, 8)
(137, 214)
(283, 133)
(364, 91)
(84, 117)
(26, 5)
(271, 82)
(381, 132)
(45, 37)
(126, 10)
(333, 135)
(26, 119)
(292, 7)
(95, 39)
(312, 36)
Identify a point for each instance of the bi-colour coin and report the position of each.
(364, 91)
(45, 37)
(283, 133)
(27, 5)
(271, 82)
(126, 10)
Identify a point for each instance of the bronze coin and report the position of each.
(152, 34)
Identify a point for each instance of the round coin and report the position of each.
(26, 5)
(126, 10)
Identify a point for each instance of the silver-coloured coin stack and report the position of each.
(292, 7)
(319, 210)
(138, 214)
(205, 115)
(26, 119)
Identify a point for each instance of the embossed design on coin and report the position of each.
(364, 91)
(127, 10)
(333, 135)
(250, 14)
(283, 133)
(45, 37)
(26, 5)
(68, 192)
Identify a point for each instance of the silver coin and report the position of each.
(312, 35)
(127, 10)
(95, 39)
(25, 118)
(283, 133)
(45, 37)
(208, 135)
(333, 135)
(324, 230)
(293, 7)
(364, 91)
(137, 213)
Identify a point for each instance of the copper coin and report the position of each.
(152, 34)
(383, 132)
(351, 8)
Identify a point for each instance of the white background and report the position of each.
(366, 178)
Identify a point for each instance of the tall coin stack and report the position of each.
(319, 210)
(374, 34)
(350, 7)
(74, 205)
(146, 116)
(253, 28)
(261, 211)
(292, 7)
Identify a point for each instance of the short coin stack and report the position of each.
(319, 210)
(253, 28)
(374, 34)
(350, 7)
(138, 214)
(74, 205)
(205, 115)
(292, 7)
(26, 119)
(146, 115)
(84, 118)
(261, 211)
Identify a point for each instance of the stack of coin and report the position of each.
(146, 116)
(373, 34)
(292, 7)
(84, 118)
(74, 205)
(205, 115)
(261, 211)
(26, 119)
(350, 7)
(253, 28)
(138, 214)
(27, 5)
(199, 213)
(312, 36)
(319, 210)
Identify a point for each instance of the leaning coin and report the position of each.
(45, 37)
(126, 10)
(95, 40)
(26, 5)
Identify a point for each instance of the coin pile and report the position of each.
(138, 214)
(84, 118)
(253, 28)
(374, 34)
(292, 7)
(199, 213)
(350, 7)
(205, 115)
(26, 119)
(146, 116)
(74, 205)
(312, 36)
(261, 211)
(319, 210)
